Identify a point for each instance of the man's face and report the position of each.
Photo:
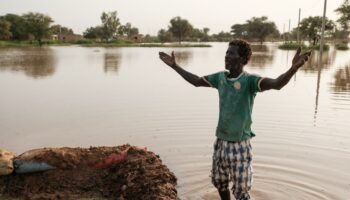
(232, 58)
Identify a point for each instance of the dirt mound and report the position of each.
(97, 172)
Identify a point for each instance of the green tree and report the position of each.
(200, 34)
(180, 28)
(311, 28)
(18, 27)
(38, 25)
(165, 36)
(93, 32)
(239, 30)
(205, 37)
(344, 19)
(128, 30)
(133, 31)
(196, 33)
(260, 28)
(222, 36)
(121, 30)
(110, 23)
(56, 29)
(5, 33)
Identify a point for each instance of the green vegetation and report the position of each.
(311, 28)
(128, 30)
(18, 27)
(258, 28)
(32, 29)
(6, 43)
(342, 46)
(30, 43)
(110, 23)
(38, 25)
(5, 30)
(126, 44)
(344, 19)
(180, 28)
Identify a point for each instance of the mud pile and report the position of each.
(123, 172)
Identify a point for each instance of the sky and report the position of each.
(149, 16)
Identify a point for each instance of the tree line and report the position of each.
(37, 26)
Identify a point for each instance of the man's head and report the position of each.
(237, 54)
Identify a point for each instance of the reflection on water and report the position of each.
(183, 57)
(342, 79)
(261, 60)
(112, 58)
(325, 61)
(262, 56)
(302, 147)
(259, 47)
(34, 62)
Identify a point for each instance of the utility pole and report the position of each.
(289, 32)
(284, 32)
(323, 26)
(298, 36)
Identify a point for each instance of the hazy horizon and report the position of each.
(152, 15)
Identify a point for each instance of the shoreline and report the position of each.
(6, 44)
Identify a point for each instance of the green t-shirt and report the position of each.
(236, 104)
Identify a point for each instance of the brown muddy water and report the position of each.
(75, 96)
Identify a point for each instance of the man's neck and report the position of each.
(234, 73)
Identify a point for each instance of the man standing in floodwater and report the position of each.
(232, 157)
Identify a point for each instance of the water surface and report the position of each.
(75, 96)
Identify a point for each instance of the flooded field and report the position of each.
(75, 96)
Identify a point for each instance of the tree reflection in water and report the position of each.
(314, 62)
(262, 56)
(112, 59)
(34, 62)
(342, 79)
(183, 57)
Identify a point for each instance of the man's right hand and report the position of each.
(167, 59)
(300, 59)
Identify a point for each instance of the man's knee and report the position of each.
(220, 185)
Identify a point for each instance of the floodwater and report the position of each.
(75, 96)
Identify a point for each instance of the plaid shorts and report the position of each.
(232, 162)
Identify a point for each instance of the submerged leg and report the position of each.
(225, 195)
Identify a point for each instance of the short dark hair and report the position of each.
(244, 49)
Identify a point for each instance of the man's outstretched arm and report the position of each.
(278, 83)
(189, 77)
